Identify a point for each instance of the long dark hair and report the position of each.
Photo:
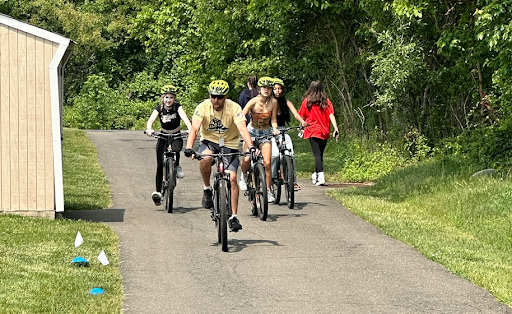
(253, 82)
(283, 107)
(316, 95)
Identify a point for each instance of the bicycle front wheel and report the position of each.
(276, 186)
(260, 185)
(222, 211)
(171, 183)
(288, 181)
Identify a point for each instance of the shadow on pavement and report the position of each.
(97, 215)
(239, 245)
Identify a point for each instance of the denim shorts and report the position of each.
(255, 133)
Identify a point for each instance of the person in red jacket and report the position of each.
(317, 110)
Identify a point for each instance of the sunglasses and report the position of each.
(218, 96)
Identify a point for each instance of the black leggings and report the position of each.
(318, 147)
(176, 145)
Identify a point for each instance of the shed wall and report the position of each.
(26, 158)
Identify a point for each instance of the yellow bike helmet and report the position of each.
(278, 81)
(218, 87)
(266, 82)
(168, 89)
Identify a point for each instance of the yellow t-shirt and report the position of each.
(217, 124)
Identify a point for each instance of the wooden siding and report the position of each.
(26, 158)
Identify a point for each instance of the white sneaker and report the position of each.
(157, 198)
(313, 177)
(321, 179)
(242, 184)
(270, 197)
(179, 172)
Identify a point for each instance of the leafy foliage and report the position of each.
(442, 69)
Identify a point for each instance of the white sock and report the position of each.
(207, 187)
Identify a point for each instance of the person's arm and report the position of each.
(184, 117)
(296, 114)
(333, 121)
(242, 128)
(194, 128)
(248, 107)
(273, 120)
(149, 124)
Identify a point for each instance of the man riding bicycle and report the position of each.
(221, 122)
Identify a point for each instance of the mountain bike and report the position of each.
(257, 184)
(285, 174)
(221, 195)
(169, 158)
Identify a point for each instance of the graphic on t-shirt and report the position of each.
(168, 117)
(217, 126)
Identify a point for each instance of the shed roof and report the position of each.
(36, 31)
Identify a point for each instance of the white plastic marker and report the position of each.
(103, 258)
(78, 240)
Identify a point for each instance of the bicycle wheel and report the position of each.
(276, 186)
(260, 195)
(288, 181)
(171, 183)
(251, 193)
(222, 204)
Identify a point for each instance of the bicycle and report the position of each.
(221, 195)
(257, 184)
(170, 177)
(285, 174)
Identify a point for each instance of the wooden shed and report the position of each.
(32, 64)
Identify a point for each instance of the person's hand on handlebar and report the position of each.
(149, 132)
(189, 152)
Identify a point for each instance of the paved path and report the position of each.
(317, 258)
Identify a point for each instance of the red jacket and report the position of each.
(317, 118)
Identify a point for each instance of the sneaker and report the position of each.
(179, 172)
(314, 177)
(242, 184)
(270, 197)
(321, 179)
(212, 216)
(234, 224)
(296, 187)
(207, 198)
(157, 198)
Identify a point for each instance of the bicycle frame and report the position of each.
(168, 158)
(284, 161)
(222, 208)
(257, 184)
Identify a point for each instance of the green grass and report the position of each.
(35, 253)
(85, 185)
(459, 221)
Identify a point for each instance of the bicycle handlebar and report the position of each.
(166, 136)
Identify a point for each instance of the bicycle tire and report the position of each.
(288, 181)
(251, 192)
(171, 183)
(260, 195)
(276, 186)
(222, 209)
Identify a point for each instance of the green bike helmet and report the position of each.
(218, 87)
(168, 89)
(278, 81)
(266, 82)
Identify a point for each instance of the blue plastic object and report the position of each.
(96, 291)
(80, 261)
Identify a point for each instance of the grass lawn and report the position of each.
(36, 253)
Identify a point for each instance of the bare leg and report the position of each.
(205, 167)
(266, 152)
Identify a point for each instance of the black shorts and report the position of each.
(232, 161)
